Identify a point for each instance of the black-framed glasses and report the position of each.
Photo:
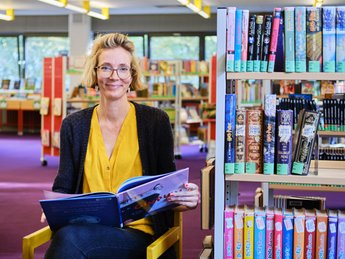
(123, 72)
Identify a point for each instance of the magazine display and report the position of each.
(136, 198)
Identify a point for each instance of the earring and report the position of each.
(128, 89)
(96, 88)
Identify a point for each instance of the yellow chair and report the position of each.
(172, 237)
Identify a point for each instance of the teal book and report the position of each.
(300, 39)
(328, 38)
(289, 38)
(288, 233)
(260, 233)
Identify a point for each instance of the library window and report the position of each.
(139, 45)
(210, 46)
(9, 68)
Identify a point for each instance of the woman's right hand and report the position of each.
(43, 217)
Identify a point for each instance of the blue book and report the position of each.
(340, 38)
(238, 40)
(230, 128)
(279, 65)
(328, 38)
(289, 38)
(300, 39)
(260, 233)
(288, 232)
(131, 202)
(332, 234)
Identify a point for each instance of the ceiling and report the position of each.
(34, 7)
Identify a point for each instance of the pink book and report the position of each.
(269, 232)
(229, 232)
(278, 234)
(245, 21)
(274, 39)
(230, 39)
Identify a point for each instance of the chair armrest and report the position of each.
(160, 245)
(35, 239)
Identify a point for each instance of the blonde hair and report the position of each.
(109, 41)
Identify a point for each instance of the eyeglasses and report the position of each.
(122, 72)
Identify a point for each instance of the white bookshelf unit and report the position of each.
(227, 185)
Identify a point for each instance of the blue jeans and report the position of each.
(98, 241)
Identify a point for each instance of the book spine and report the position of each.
(314, 39)
(244, 54)
(288, 233)
(230, 124)
(258, 42)
(269, 233)
(328, 38)
(341, 235)
(266, 42)
(260, 235)
(310, 237)
(274, 39)
(299, 232)
(228, 233)
(269, 133)
(284, 141)
(289, 38)
(278, 235)
(230, 36)
(248, 234)
(254, 127)
(251, 41)
(280, 54)
(240, 141)
(238, 40)
(332, 235)
(305, 142)
(340, 39)
(321, 235)
(238, 234)
(300, 39)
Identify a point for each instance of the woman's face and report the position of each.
(114, 72)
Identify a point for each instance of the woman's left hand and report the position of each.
(188, 196)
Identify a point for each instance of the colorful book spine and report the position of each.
(269, 133)
(310, 234)
(254, 135)
(341, 235)
(229, 232)
(238, 232)
(321, 234)
(274, 39)
(328, 38)
(251, 41)
(332, 234)
(258, 42)
(300, 39)
(230, 39)
(269, 233)
(280, 53)
(240, 141)
(230, 124)
(299, 233)
(314, 39)
(340, 39)
(238, 40)
(278, 234)
(266, 42)
(289, 38)
(305, 137)
(284, 141)
(260, 234)
(248, 233)
(244, 54)
(288, 233)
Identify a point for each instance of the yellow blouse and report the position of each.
(103, 174)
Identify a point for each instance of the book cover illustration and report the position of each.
(328, 38)
(5, 84)
(340, 39)
(137, 198)
(314, 39)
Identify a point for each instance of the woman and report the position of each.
(104, 145)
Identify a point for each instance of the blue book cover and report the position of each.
(260, 233)
(279, 65)
(328, 38)
(288, 232)
(238, 40)
(230, 128)
(114, 209)
(332, 234)
(340, 39)
(269, 132)
(300, 39)
(289, 40)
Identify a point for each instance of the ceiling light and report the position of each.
(57, 3)
(318, 3)
(205, 12)
(197, 7)
(9, 16)
(103, 16)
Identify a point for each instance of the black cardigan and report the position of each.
(156, 147)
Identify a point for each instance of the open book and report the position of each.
(136, 198)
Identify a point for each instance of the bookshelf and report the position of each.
(227, 185)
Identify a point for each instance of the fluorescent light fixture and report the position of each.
(197, 7)
(76, 8)
(103, 16)
(57, 3)
(9, 16)
(318, 3)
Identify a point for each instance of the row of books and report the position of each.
(299, 202)
(262, 141)
(299, 38)
(289, 233)
(334, 154)
(20, 84)
(334, 114)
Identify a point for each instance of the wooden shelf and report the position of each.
(329, 164)
(325, 176)
(328, 133)
(285, 76)
(318, 188)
